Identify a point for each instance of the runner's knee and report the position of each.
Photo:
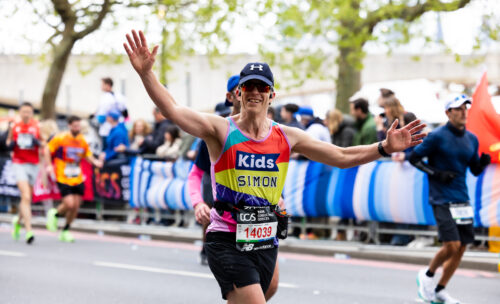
(453, 248)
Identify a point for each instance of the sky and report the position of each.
(19, 35)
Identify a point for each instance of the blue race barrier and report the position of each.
(380, 191)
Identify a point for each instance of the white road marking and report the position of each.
(156, 270)
(169, 271)
(287, 285)
(12, 253)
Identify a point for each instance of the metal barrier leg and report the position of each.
(303, 226)
(177, 218)
(373, 234)
(98, 214)
(157, 216)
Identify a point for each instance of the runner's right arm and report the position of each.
(206, 126)
(425, 149)
(202, 211)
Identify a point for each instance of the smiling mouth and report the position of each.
(254, 101)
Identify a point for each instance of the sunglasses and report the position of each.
(250, 86)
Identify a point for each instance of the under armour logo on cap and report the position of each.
(259, 67)
(258, 71)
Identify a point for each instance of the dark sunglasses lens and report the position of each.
(262, 88)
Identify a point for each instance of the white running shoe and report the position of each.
(425, 285)
(442, 297)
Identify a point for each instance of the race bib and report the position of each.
(72, 170)
(462, 214)
(25, 141)
(256, 228)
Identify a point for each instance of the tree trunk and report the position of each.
(61, 55)
(348, 80)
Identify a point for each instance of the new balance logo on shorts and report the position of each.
(256, 162)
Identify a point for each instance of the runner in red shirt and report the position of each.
(24, 137)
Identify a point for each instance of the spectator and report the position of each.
(365, 124)
(288, 115)
(405, 155)
(392, 110)
(92, 137)
(140, 129)
(342, 128)
(316, 129)
(48, 128)
(117, 140)
(157, 138)
(170, 149)
(271, 113)
(314, 126)
(384, 95)
(109, 101)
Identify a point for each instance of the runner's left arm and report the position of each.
(397, 140)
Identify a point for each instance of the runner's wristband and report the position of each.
(382, 151)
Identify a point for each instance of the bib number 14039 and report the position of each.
(256, 228)
(256, 232)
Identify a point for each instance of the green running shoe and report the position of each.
(52, 220)
(30, 237)
(66, 236)
(16, 228)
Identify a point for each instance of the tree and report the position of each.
(76, 22)
(310, 30)
(186, 26)
(189, 26)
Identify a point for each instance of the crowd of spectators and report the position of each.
(113, 135)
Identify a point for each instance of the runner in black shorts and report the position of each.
(450, 150)
(67, 150)
(249, 155)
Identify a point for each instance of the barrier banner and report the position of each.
(112, 181)
(381, 191)
(160, 184)
(8, 185)
(45, 188)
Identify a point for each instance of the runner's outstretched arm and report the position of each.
(397, 140)
(201, 125)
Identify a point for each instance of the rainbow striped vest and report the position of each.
(249, 170)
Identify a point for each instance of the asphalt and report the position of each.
(475, 260)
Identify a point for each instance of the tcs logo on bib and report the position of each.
(256, 162)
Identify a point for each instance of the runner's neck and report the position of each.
(256, 128)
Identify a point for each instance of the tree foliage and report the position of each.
(316, 34)
(189, 26)
(185, 26)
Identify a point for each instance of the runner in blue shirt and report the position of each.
(450, 150)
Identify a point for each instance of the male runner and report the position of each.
(67, 150)
(450, 149)
(249, 155)
(24, 137)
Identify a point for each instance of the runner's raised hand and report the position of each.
(137, 50)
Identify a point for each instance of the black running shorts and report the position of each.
(233, 267)
(67, 189)
(448, 229)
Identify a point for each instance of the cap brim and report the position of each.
(258, 77)
(458, 104)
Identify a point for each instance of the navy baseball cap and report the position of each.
(259, 71)
(232, 82)
(222, 110)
